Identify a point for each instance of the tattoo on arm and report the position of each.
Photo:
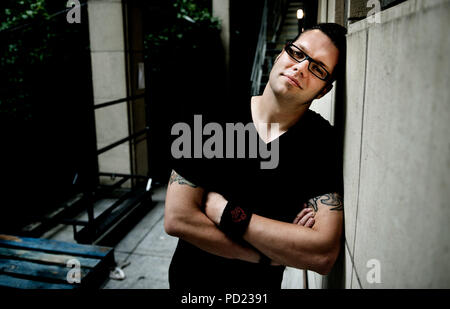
(174, 177)
(331, 199)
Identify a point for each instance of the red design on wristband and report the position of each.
(238, 215)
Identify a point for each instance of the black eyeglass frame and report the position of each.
(311, 60)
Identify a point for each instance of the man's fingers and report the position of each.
(306, 218)
(310, 222)
(302, 214)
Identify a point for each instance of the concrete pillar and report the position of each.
(109, 82)
(331, 11)
(221, 10)
(322, 15)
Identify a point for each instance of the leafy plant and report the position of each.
(24, 48)
(190, 28)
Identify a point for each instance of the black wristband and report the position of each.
(235, 220)
(264, 259)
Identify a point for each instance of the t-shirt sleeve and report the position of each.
(190, 169)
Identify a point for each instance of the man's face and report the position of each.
(292, 80)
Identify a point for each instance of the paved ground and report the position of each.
(148, 250)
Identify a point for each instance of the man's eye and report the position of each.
(299, 54)
(318, 69)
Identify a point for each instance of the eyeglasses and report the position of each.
(314, 67)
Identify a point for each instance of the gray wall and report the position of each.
(397, 148)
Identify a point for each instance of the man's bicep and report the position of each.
(330, 201)
(329, 215)
(181, 191)
(183, 204)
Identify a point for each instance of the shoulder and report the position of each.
(314, 126)
(316, 120)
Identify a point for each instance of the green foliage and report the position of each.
(190, 28)
(23, 48)
(20, 12)
(196, 11)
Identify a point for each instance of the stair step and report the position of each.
(288, 33)
(286, 28)
(291, 22)
(294, 8)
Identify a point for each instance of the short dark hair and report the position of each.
(337, 35)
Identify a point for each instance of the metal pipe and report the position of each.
(97, 106)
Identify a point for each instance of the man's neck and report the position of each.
(270, 109)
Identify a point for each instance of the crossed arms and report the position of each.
(311, 242)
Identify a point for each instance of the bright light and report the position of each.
(300, 14)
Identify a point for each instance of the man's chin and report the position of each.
(286, 90)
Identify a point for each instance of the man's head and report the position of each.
(305, 70)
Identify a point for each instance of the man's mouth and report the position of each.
(293, 81)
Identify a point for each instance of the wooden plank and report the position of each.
(7, 281)
(41, 257)
(53, 246)
(37, 271)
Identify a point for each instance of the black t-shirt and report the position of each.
(308, 167)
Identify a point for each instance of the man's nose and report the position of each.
(302, 68)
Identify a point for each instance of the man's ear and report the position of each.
(324, 91)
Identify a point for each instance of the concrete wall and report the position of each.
(397, 150)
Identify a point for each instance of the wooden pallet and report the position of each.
(34, 263)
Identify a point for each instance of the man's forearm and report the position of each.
(288, 244)
(200, 231)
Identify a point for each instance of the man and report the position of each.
(240, 225)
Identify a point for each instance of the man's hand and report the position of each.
(214, 205)
(305, 217)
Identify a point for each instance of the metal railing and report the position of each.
(270, 26)
(128, 138)
(260, 54)
(95, 227)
